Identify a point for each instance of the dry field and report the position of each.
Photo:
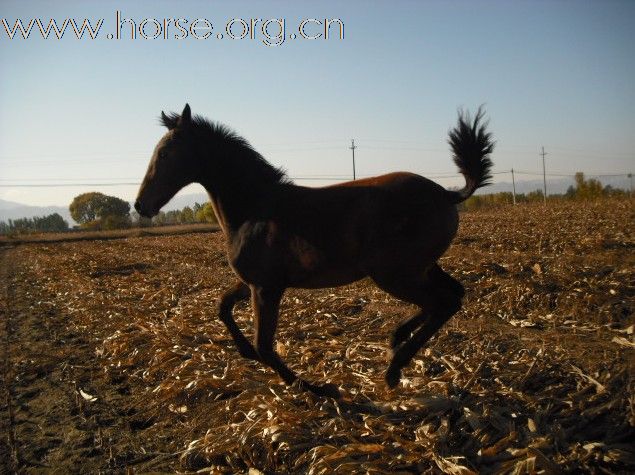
(114, 360)
(106, 235)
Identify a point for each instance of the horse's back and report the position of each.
(395, 219)
(404, 195)
(403, 185)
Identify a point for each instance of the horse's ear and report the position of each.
(170, 121)
(186, 115)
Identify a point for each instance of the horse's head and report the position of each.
(172, 165)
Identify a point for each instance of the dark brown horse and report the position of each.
(392, 228)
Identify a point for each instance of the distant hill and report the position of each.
(13, 210)
(181, 201)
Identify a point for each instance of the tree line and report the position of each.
(51, 223)
(583, 190)
(199, 213)
(96, 211)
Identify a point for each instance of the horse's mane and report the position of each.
(250, 164)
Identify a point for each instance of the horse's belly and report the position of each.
(325, 278)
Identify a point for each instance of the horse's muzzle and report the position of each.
(143, 212)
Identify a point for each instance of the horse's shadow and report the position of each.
(419, 407)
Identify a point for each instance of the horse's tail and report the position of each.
(471, 146)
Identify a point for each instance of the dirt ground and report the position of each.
(113, 360)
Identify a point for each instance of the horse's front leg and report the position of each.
(266, 305)
(238, 293)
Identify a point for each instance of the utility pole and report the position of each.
(513, 187)
(544, 176)
(353, 147)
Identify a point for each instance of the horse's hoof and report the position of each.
(392, 378)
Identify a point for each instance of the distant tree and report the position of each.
(570, 192)
(160, 219)
(536, 195)
(614, 192)
(139, 221)
(584, 189)
(173, 216)
(113, 221)
(187, 215)
(92, 209)
(51, 223)
(113, 206)
(198, 213)
(587, 189)
(85, 207)
(488, 201)
(205, 214)
(21, 225)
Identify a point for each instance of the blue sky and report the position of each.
(552, 73)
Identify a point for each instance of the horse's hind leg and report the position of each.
(238, 293)
(444, 300)
(439, 287)
(414, 289)
(405, 329)
(266, 304)
(439, 295)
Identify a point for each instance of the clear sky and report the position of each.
(554, 73)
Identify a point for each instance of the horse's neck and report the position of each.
(235, 207)
(236, 199)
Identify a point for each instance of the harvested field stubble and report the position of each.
(533, 375)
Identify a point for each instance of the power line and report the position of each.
(84, 182)
(70, 180)
(74, 156)
(301, 142)
(415, 149)
(61, 185)
(301, 149)
(595, 152)
(298, 178)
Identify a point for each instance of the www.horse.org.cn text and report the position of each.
(270, 32)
